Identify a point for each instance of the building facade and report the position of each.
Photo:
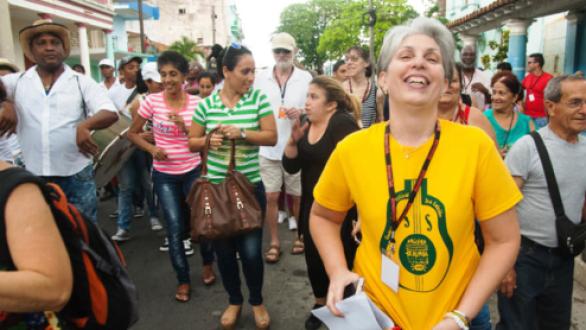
(555, 28)
(90, 22)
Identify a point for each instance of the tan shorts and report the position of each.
(273, 174)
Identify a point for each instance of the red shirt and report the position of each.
(534, 87)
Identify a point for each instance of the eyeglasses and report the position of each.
(281, 51)
(352, 59)
(576, 103)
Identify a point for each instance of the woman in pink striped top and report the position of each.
(175, 168)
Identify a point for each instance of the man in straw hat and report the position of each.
(55, 110)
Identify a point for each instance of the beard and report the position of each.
(468, 66)
(284, 65)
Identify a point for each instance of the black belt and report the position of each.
(529, 243)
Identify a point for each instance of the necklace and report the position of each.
(365, 91)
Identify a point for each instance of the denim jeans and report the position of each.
(172, 191)
(80, 190)
(482, 320)
(543, 297)
(249, 248)
(133, 177)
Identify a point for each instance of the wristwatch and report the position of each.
(242, 134)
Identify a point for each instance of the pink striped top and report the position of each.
(169, 136)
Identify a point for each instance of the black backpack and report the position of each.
(103, 295)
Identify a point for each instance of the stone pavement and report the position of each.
(287, 292)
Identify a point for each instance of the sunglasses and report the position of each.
(281, 51)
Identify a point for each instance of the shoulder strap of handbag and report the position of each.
(204, 154)
(552, 185)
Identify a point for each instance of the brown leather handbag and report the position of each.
(226, 209)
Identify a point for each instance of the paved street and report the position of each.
(286, 291)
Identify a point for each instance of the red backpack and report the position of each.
(103, 295)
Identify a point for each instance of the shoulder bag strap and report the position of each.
(83, 105)
(552, 184)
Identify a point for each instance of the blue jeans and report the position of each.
(133, 177)
(80, 190)
(540, 122)
(543, 297)
(172, 191)
(249, 248)
(482, 320)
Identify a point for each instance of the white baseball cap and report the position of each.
(151, 71)
(283, 40)
(107, 62)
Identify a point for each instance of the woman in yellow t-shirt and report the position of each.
(418, 183)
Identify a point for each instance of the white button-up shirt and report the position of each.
(47, 123)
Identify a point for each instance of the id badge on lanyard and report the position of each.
(389, 267)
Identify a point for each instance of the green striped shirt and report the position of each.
(246, 115)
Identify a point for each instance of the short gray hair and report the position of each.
(553, 90)
(420, 25)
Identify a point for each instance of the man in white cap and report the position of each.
(55, 110)
(135, 173)
(107, 69)
(286, 87)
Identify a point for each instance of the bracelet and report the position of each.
(459, 321)
(462, 316)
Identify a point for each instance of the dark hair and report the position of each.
(207, 74)
(141, 86)
(78, 66)
(2, 92)
(504, 66)
(365, 54)
(175, 59)
(539, 58)
(508, 79)
(336, 93)
(338, 65)
(230, 58)
(7, 67)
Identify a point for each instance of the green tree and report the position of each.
(187, 48)
(500, 49)
(306, 23)
(351, 26)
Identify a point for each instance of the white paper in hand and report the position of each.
(359, 314)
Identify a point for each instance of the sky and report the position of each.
(258, 27)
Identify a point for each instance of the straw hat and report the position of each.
(43, 26)
(7, 64)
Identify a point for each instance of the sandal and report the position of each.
(273, 254)
(298, 247)
(230, 317)
(207, 275)
(262, 319)
(183, 293)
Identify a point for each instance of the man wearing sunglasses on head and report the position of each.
(286, 87)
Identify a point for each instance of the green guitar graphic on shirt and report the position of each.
(424, 248)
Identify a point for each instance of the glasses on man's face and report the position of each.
(281, 51)
(575, 103)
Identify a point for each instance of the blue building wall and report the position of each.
(581, 47)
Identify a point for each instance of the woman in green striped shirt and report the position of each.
(245, 115)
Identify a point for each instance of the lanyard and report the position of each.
(392, 220)
(535, 83)
(283, 88)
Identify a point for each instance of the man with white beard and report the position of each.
(286, 87)
(475, 82)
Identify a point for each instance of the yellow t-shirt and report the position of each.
(435, 247)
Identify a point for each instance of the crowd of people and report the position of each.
(416, 173)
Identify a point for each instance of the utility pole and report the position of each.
(214, 16)
(141, 23)
(371, 22)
